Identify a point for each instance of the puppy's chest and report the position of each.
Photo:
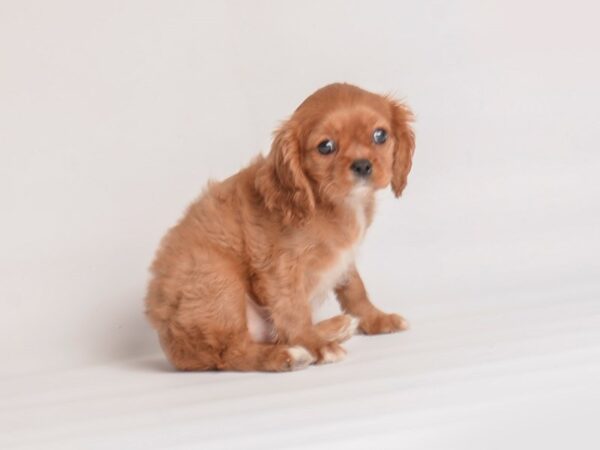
(334, 274)
(340, 260)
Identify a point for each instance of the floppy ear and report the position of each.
(404, 145)
(281, 180)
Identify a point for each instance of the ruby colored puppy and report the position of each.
(234, 283)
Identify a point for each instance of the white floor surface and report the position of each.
(523, 374)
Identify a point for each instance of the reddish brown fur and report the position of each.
(271, 232)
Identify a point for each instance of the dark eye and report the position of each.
(326, 147)
(380, 136)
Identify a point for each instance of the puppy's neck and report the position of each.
(360, 201)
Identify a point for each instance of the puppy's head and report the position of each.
(339, 138)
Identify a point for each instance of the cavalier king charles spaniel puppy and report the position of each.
(234, 283)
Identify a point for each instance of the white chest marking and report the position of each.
(330, 278)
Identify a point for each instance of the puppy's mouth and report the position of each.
(361, 187)
(362, 182)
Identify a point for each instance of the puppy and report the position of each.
(235, 282)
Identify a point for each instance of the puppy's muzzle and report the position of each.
(362, 168)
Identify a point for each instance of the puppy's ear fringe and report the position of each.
(281, 181)
(404, 146)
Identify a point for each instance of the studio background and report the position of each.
(115, 114)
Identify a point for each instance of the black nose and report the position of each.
(362, 167)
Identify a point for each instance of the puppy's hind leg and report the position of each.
(252, 356)
(236, 352)
(209, 329)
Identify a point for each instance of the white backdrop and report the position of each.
(114, 114)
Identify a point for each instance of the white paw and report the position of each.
(404, 325)
(301, 357)
(333, 355)
(349, 330)
(352, 326)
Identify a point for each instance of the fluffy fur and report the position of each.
(234, 283)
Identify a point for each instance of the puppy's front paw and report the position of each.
(330, 353)
(323, 352)
(349, 329)
(381, 323)
(300, 358)
(339, 328)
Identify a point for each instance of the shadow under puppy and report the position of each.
(234, 283)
